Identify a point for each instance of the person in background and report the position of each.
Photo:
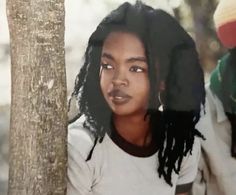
(136, 59)
(217, 168)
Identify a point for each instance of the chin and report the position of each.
(127, 112)
(121, 111)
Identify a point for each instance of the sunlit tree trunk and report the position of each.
(38, 109)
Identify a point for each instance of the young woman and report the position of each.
(136, 59)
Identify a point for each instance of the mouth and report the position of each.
(119, 97)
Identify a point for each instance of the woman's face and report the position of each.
(124, 74)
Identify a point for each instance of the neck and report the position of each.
(133, 129)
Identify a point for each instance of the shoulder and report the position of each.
(80, 172)
(189, 164)
(195, 153)
(80, 139)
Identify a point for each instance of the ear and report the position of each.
(162, 86)
(161, 93)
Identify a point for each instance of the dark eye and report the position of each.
(136, 69)
(106, 66)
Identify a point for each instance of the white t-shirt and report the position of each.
(113, 171)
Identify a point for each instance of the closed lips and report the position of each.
(118, 94)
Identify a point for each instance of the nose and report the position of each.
(119, 79)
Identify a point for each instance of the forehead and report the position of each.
(123, 43)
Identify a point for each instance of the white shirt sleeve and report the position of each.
(79, 173)
(189, 166)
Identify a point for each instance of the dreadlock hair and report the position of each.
(172, 58)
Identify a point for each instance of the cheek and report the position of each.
(105, 80)
(145, 89)
(141, 83)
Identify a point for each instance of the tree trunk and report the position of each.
(38, 109)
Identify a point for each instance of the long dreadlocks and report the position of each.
(172, 58)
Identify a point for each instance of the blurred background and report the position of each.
(82, 17)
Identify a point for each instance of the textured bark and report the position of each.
(38, 109)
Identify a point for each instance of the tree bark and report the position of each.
(38, 126)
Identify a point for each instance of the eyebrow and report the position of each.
(132, 59)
